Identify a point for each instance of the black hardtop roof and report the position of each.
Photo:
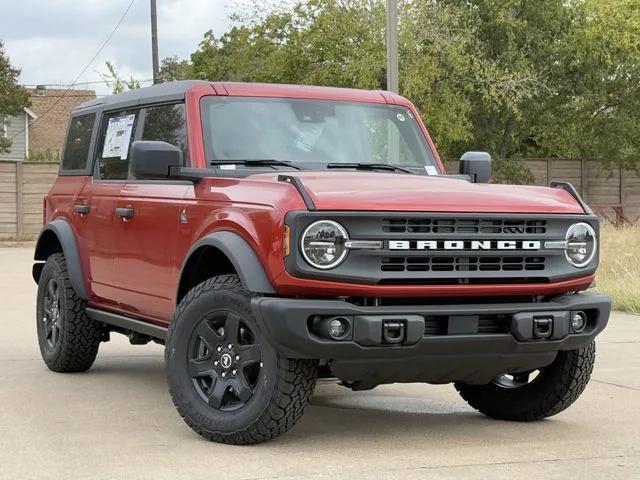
(163, 92)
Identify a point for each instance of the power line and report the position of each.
(92, 82)
(104, 44)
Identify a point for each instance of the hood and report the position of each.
(369, 191)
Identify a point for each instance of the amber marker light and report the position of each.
(287, 240)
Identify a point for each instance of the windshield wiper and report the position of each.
(370, 166)
(256, 162)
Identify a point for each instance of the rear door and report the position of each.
(146, 266)
(99, 225)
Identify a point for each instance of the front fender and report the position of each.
(55, 236)
(242, 257)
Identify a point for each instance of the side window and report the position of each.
(76, 148)
(116, 136)
(167, 123)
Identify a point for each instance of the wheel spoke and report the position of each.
(249, 354)
(218, 389)
(208, 335)
(55, 332)
(51, 287)
(200, 368)
(48, 326)
(242, 389)
(47, 307)
(232, 328)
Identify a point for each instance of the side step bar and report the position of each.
(138, 326)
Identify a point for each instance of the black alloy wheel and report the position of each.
(225, 377)
(51, 318)
(224, 361)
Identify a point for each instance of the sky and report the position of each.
(52, 40)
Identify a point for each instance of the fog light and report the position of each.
(578, 322)
(332, 328)
(338, 327)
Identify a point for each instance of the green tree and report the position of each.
(116, 83)
(13, 98)
(518, 78)
(172, 68)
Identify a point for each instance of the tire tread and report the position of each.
(81, 336)
(295, 384)
(565, 381)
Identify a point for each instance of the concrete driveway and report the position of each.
(117, 420)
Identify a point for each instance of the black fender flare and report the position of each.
(242, 257)
(67, 239)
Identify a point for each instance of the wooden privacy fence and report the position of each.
(614, 195)
(22, 187)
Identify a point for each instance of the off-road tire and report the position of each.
(284, 385)
(79, 336)
(555, 388)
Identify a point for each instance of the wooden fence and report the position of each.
(614, 195)
(22, 188)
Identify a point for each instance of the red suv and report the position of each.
(269, 235)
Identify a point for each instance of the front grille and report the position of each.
(455, 248)
(463, 225)
(461, 264)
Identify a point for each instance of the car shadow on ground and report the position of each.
(338, 415)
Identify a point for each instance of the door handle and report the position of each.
(81, 209)
(125, 213)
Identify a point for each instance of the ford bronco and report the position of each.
(269, 235)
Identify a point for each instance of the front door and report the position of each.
(146, 267)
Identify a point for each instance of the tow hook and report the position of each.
(392, 331)
(542, 327)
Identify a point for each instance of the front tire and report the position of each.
(68, 339)
(554, 389)
(226, 381)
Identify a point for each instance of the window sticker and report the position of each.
(401, 117)
(116, 142)
(431, 170)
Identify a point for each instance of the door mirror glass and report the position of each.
(154, 160)
(477, 165)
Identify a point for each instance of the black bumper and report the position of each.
(471, 343)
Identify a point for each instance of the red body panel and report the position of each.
(411, 193)
(134, 265)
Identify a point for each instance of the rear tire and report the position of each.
(226, 381)
(555, 388)
(68, 339)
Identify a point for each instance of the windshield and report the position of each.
(311, 133)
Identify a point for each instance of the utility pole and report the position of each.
(154, 43)
(392, 46)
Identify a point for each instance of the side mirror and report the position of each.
(151, 160)
(477, 165)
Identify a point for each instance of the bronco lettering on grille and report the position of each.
(464, 245)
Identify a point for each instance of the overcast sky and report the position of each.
(52, 40)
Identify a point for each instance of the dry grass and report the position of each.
(619, 272)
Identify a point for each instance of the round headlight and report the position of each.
(322, 244)
(581, 244)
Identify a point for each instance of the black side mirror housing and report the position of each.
(477, 165)
(153, 160)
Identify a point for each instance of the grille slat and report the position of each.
(462, 264)
(464, 225)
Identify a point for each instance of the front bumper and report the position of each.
(471, 343)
